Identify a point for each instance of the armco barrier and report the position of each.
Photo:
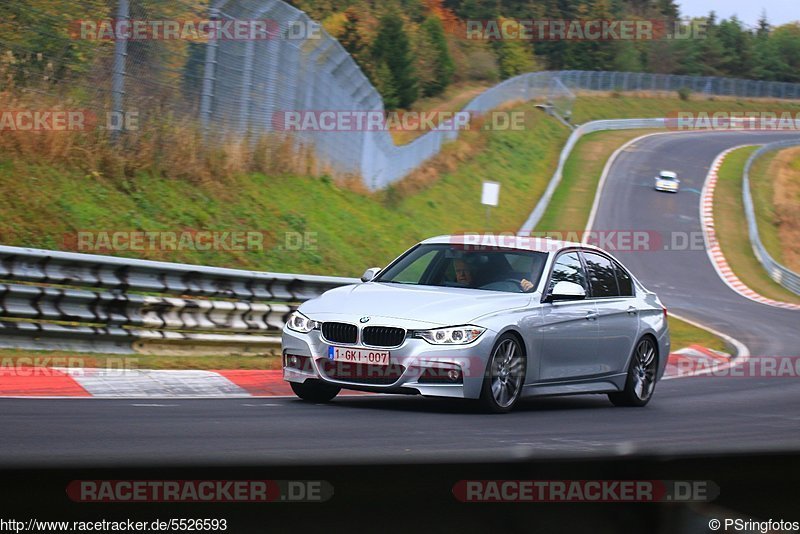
(785, 277)
(84, 302)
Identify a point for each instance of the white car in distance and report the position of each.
(667, 181)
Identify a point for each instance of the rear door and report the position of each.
(612, 290)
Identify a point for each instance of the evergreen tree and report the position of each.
(391, 48)
(442, 63)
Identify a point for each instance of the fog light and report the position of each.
(453, 375)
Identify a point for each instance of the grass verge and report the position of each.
(572, 201)
(682, 334)
(731, 228)
(775, 187)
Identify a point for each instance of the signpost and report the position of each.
(490, 197)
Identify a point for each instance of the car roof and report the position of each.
(519, 242)
(668, 174)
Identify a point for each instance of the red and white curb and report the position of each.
(141, 383)
(712, 244)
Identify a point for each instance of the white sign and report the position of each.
(491, 193)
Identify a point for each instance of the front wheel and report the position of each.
(315, 391)
(641, 379)
(505, 375)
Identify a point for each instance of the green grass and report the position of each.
(682, 334)
(588, 108)
(762, 191)
(39, 205)
(731, 228)
(767, 171)
(573, 198)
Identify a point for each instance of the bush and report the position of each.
(684, 93)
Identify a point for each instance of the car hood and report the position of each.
(411, 306)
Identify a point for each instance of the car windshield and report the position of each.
(455, 265)
(668, 177)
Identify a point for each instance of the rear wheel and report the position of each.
(505, 375)
(315, 391)
(641, 379)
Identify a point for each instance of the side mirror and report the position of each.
(566, 291)
(369, 274)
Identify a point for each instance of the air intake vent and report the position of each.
(383, 336)
(340, 332)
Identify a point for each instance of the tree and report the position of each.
(392, 50)
(737, 48)
(514, 57)
(352, 41)
(441, 63)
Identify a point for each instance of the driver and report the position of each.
(465, 275)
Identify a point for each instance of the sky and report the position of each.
(778, 11)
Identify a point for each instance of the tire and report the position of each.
(641, 379)
(315, 391)
(504, 377)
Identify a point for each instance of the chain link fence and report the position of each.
(243, 87)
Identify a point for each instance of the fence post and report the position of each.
(247, 86)
(208, 71)
(120, 58)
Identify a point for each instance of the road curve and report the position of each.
(685, 279)
(693, 415)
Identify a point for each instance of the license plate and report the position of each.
(372, 357)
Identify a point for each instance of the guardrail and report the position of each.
(785, 277)
(580, 131)
(92, 303)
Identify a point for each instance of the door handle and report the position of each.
(591, 316)
(632, 310)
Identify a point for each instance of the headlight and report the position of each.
(300, 323)
(454, 335)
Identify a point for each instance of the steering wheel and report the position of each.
(505, 283)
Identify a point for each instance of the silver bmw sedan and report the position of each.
(488, 317)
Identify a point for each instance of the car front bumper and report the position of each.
(416, 366)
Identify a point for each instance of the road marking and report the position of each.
(712, 246)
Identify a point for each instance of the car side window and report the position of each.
(602, 275)
(568, 268)
(624, 281)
